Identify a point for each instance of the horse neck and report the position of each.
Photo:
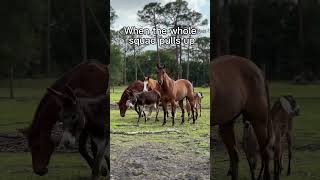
(167, 82)
(153, 84)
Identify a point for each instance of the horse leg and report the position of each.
(191, 101)
(228, 138)
(173, 111)
(165, 112)
(140, 112)
(157, 112)
(196, 109)
(182, 111)
(150, 111)
(83, 148)
(106, 171)
(289, 139)
(200, 108)
(144, 113)
(101, 148)
(263, 139)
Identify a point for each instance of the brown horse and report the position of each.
(136, 86)
(172, 91)
(91, 76)
(238, 87)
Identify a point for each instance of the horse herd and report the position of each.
(238, 87)
(152, 93)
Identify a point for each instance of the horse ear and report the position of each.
(56, 93)
(58, 96)
(158, 66)
(70, 92)
(286, 105)
(163, 66)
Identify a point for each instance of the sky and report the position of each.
(126, 11)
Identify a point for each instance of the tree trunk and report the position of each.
(177, 61)
(48, 68)
(301, 30)
(135, 63)
(84, 29)
(248, 42)
(216, 29)
(226, 27)
(180, 61)
(124, 69)
(11, 82)
(155, 26)
(188, 60)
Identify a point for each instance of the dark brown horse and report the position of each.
(172, 91)
(136, 86)
(92, 77)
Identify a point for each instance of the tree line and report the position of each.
(43, 38)
(130, 62)
(282, 37)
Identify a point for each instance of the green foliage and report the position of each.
(20, 34)
(115, 65)
(276, 37)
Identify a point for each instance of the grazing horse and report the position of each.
(239, 87)
(85, 115)
(91, 76)
(172, 91)
(123, 106)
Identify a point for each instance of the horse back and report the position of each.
(183, 88)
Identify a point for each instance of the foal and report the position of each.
(142, 99)
(197, 104)
(81, 116)
(282, 113)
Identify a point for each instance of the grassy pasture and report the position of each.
(18, 112)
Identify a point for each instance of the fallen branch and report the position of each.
(147, 132)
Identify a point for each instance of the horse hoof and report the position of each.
(163, 124)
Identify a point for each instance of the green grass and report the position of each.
(195, 137)
(18, 112)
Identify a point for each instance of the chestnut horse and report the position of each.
(92, 77)
(136, 86)
(239, 87)
(172, 91)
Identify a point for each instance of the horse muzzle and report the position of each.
(41, 171)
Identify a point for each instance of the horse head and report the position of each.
(71, 115)
(161, 73)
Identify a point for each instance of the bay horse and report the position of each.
(172, 91)
(123, 106)
(88, 115)
(92, 77)
(238, 87)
